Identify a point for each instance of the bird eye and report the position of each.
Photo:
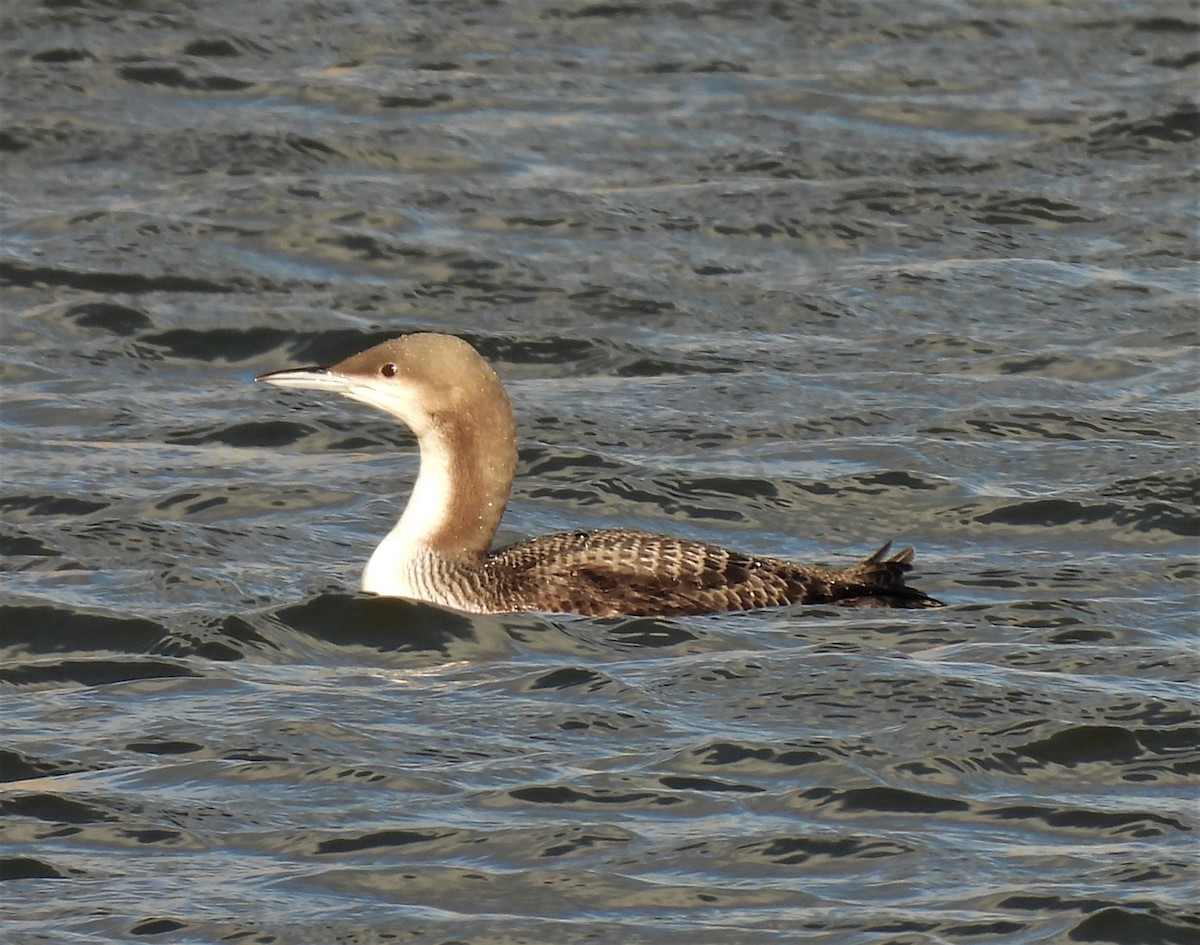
(389, 370)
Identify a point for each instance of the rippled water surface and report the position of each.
(792, 277)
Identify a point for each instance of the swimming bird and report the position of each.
(439, 551)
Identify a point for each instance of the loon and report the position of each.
(439, 551)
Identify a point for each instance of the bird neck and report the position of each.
(466, 474)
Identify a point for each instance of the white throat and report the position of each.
(391, 570)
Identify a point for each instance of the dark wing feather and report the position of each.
(619, 572)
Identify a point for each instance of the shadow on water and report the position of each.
(332, 627)
(329, 627)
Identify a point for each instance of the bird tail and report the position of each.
(878, 581)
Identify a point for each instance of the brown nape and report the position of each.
(451, 398)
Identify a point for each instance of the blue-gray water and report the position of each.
(791, 277)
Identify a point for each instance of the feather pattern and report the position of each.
(619, 572)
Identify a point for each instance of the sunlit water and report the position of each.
(793, 278)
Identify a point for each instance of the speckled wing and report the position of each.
(619, 572)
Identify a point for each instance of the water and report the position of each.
(792, 278)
